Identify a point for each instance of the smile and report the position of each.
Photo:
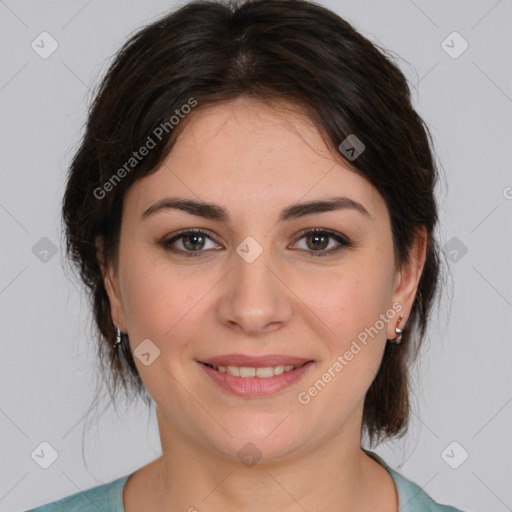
(255, 381)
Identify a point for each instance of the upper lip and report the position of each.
(254, 361)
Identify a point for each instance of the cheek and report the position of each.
(156, 301)
(168, 312)
(352, 349)
(349, 301)
(355, 337)
(171, 309)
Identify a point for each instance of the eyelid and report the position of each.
(329, 232)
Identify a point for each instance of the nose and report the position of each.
(255, 298)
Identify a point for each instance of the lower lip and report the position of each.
(255, 386)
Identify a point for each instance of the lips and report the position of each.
(251, 376)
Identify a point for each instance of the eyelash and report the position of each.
(342, 240)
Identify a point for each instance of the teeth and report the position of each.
(248, 372)
(278, 370)
(234, 370)
(268, 371)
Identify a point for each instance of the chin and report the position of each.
(260, 444)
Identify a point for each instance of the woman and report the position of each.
(252, 208)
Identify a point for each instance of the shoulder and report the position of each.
(411, 497)
(414, 499)
(103, 497)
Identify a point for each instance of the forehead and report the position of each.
(251, 155)
(250, 132)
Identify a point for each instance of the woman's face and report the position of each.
(255, 288)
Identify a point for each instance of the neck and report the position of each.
(336, 475)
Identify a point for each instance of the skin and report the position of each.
(253, 161)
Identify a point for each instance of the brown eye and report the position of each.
(318, 240)
(193, 242)
(189, 243)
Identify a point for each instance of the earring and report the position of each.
(398, 331)
(118, 338)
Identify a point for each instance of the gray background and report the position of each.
(48, 370)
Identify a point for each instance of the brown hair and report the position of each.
(292, 51)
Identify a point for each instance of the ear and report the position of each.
(407, 278)
(111, 283)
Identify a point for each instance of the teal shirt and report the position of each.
(109, 497)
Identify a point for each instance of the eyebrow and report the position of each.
(216, 212)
